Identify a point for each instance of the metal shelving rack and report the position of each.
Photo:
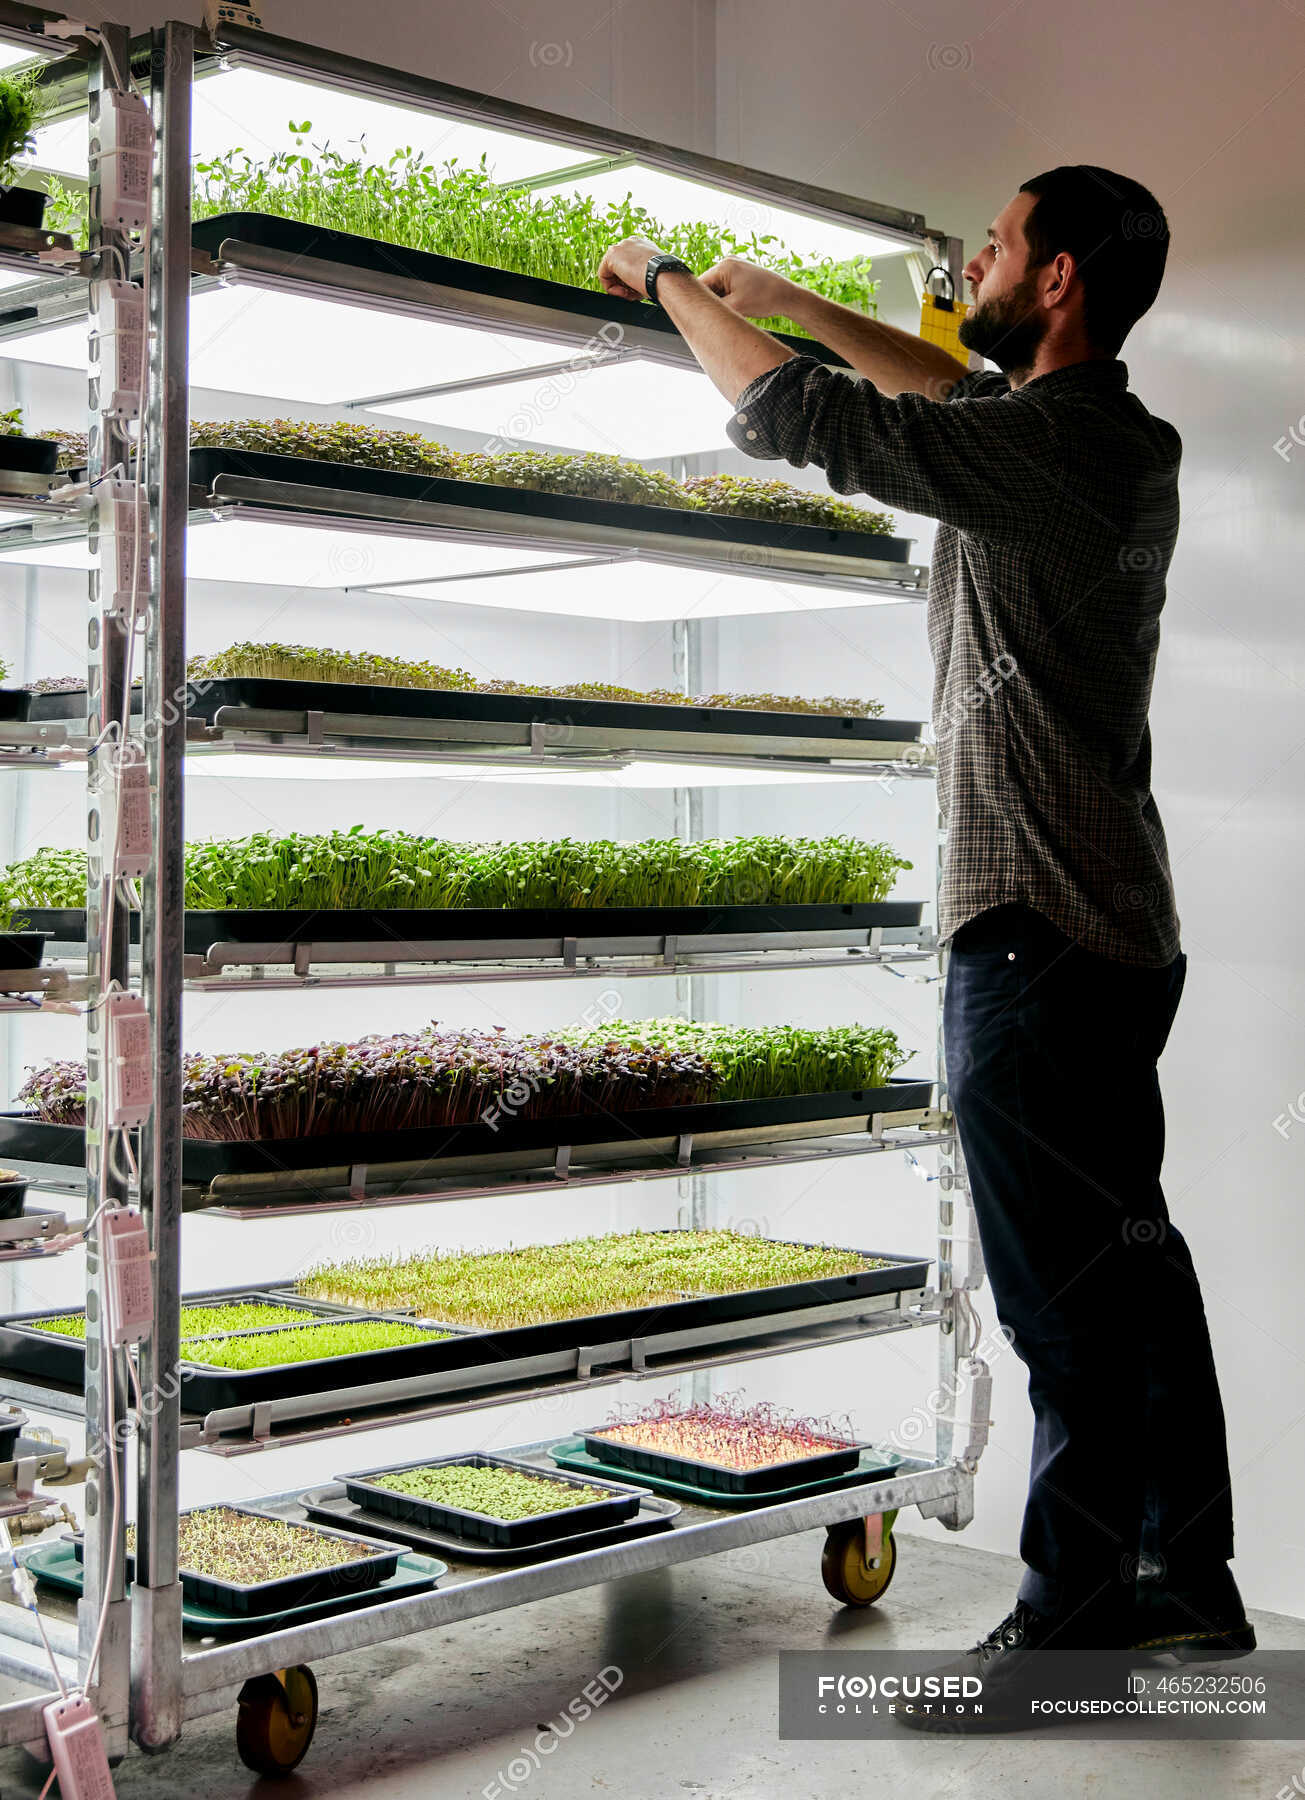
(149, 1682)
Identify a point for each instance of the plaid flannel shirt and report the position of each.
(1057, 505)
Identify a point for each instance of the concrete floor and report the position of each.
(442, 1717)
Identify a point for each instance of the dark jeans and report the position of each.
(1051, 1065)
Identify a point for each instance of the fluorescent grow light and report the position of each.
(280, 765)
(251, 110)
(280, 552)
(677, 200)
(246, 339)
(626, 406)
(636, 588)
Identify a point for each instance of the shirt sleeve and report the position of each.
(985, 460)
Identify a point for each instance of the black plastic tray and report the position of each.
(289, 1590)
(26, 1350)
(525, 504)
(715, 1476)
(376, 254)
(12, 1420)
(333, 1506)
(484, 1354)
(203, 929)
(365, 1490)
(22, 949)
(24, 1139)
(16, 704)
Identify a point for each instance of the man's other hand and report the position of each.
(623, 269)
(756, 293)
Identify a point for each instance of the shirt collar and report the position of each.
(1094, 373)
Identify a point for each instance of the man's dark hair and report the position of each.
(1117, 233)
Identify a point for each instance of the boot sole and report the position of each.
(1203, 1646)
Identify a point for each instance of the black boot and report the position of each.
(1194, 1619)
(1015, 1666)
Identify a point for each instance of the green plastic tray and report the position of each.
(56, 1564)
(873, 1464)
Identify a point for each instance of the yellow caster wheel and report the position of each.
(844, 1569)
(276, 1719)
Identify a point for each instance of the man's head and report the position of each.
(1075, 259)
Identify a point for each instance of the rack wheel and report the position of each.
(276, 1719)
(844, 1569)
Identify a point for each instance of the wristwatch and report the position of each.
(658, 265)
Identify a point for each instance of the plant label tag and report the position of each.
(77, 1749)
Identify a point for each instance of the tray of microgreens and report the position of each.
(491, 1500)
(245, 1563)
(583, 488)
(445, 1091)
(332, 1506)
(52, 1345)
(291, 677)
(724, 1445)
(460, 225)
(356, 886)
(485, 1314)
(540, 1297)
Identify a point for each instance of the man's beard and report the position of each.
(1007, 330)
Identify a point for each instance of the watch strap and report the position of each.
(658, 265)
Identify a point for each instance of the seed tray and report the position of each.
(319, 242)
(12, 1420)
(332, 1505)
(27, 1350)
(366, 1490)
(487, 1357)
(26, 1139)
(19, 706)
(718, 1478)
(399, 929)
(56, 1563)
(679, 528)
(258, 1599)
(21, 949)
(874, 1465)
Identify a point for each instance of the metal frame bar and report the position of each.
(156, 1612)
(109, 446)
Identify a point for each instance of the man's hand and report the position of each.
(623, 269)
(756, 293)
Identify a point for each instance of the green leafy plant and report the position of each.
(493, 1492)
(245, 1550)
(461, 211)
(535, 1283)
(725, 1432)
(354, 870)
(583, 474)
(757, 1063)
(23, 104)
(11, 425)
(308, 1343)
(197, 1321)
(301, 662)
(750, 497)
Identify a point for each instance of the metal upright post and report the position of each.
(106, 959)
(157, 1708)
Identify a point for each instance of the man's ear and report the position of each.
(1062, 270)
